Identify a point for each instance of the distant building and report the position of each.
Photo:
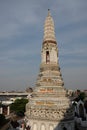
(70, 92)
(81, 115)
(29, 90)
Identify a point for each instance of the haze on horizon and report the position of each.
(21, 36)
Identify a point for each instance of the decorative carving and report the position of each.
(51, 114)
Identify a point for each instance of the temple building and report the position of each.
(49, 108)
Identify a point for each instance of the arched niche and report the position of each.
(64, 128)
(43, 127)
(85, 105)
(35, 126)
(47, 57)
(81, 111)
(51, 127)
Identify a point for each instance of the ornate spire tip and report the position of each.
(49, 12)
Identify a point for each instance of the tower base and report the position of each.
(51, 125)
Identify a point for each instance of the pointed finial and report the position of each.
(49, 12)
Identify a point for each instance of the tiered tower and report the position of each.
(49, 108)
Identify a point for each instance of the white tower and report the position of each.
(49, 108)
(49, 49)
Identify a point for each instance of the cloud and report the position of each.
(16, 15)
(73, 78)
(21, 36)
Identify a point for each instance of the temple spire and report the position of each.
(49, 31)
(48, 107)
(49, 14)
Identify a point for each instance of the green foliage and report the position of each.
(2, 120)
(78, 91)
(0, 104)
(2, 117)
(19, 105)
(82, 96)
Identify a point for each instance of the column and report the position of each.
(1, 110)
(86, 117)
(8, 110)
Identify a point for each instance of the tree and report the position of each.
(29, 90)
(19, 106)
(2, 120)
(82, 96)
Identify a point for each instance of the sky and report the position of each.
(21, 37)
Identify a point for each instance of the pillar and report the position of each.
(8, 110)
(1, 110)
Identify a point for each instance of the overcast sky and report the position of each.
(21, 37)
